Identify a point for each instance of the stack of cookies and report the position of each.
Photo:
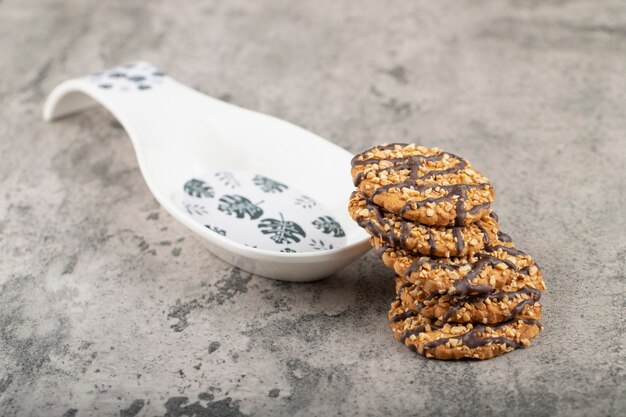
(462, 288)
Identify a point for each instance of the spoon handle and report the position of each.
(143, 99)
(165, 120)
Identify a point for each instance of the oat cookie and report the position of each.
(459, 341)
(496, 307)
(498, 266)
(429, 186)
(427, 240)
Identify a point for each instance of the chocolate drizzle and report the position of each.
(403, 286)
(484, 232)
(458, 236)
(405, 232)
(503, 237)
(458, 302)
(510, 251)
(393, 238)
(379, 231)
(471, 338)
(464, 287)
(404, 316)
(454, 192)
(354, 161)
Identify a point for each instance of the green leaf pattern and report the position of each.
(138, 76)
(228, 179)
(239, 206)
(196, 209)
(216, 229)
(329, 225)
(261, 213)
(305, 202)
(198, 188)
(268, 185)
(281, 231)
(320, 245)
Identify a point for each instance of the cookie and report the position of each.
(459, 341)
(497, 266)
(427, 240)
(492, 308)
(429, 186)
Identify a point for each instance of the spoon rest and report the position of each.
(262, 194)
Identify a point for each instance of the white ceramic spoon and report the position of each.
(258, 180)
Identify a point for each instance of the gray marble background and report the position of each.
(110, 307)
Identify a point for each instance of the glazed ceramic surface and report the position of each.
(263, 194)
(262, 213)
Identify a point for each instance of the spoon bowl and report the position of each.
(186, 142)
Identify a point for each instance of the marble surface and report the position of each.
(110, 307)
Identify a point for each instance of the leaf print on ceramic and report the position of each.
(239, 206)
(196, 209)
(216, 229)
(281, 231)
(137, 76)
(198, 188)
(228, 179)
(305, 202)
(320, 245)
(268, 185)
(329, 225)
